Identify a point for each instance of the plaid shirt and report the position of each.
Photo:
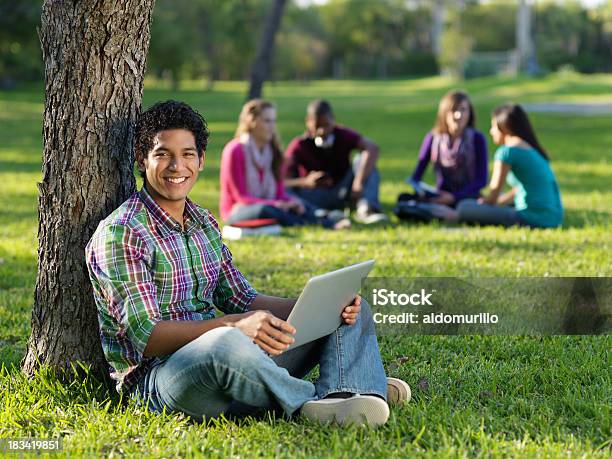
(145, 268)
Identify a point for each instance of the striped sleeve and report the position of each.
(126, 284)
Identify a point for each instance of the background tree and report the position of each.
(261, 65)
(94, 56)
(301, 50)
(19, 46)
(500, 19)
(569, 35)
(176, 49)
(217, 40)
(456, 45)
(378, 39)
(524, 37)
(204, 39)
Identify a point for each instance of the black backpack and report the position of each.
(408, 208)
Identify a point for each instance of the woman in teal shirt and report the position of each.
(524, 165)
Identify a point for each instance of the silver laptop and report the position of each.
(318, 310)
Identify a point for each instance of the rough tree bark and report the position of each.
(261, 65)
(94, 54)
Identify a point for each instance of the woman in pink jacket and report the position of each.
(252, 184)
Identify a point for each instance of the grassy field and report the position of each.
(484, 396)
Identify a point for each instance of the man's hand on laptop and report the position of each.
(266, 330)
(350, 312)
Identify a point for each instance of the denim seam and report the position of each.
(340, 355)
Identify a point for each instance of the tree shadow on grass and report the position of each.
(17, 270)
(20, 166)
(575, 218)
(584, 182)
(486, 245)
(18, 215)
(18, 208)
(12, 351)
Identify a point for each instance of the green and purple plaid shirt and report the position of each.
(145, 268)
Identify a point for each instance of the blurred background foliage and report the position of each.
(217, 40)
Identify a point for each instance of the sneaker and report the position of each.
(368, 216)
(342, 224)
(336, 215)
(398, 391)
(358, 409)
(339, 219)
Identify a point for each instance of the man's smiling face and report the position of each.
(171, 167)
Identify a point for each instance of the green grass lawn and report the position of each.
(487, 396)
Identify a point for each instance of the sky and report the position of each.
(591, 3)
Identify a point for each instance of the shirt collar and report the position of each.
(193, 217)
(162, 219)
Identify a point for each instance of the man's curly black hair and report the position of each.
(170, 114)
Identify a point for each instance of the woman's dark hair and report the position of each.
(319, 107)
(511, 119)
(162, 116)
(448, 103)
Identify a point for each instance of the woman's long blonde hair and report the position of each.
(250, 111)
(449, 102)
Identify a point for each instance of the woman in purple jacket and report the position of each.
(457, 151)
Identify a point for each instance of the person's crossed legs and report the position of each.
(256, 211)
(338, 196)
(223, 371)
(469, 211)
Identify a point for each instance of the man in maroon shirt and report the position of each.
(320, 171)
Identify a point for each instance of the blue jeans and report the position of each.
(284, 218)
(338, 196)
(486, 214)
(223, 371)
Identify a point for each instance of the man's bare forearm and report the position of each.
(366, 165)
(506, 198)
(280, 307)
(297, 182)
(170, 335)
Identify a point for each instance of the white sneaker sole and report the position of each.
(372, 218)
(358, 410)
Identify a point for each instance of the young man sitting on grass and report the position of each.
(159, 268)
(320, 170)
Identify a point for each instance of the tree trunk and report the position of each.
(438, 13)
(94, 55)
(524, 42)
(261, 65)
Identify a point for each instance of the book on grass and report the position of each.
(422, 189)
(256, 227)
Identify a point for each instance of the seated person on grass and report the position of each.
(159, 269)
(524, 164)
(251, 179)
(457, 151)
(319, 168)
